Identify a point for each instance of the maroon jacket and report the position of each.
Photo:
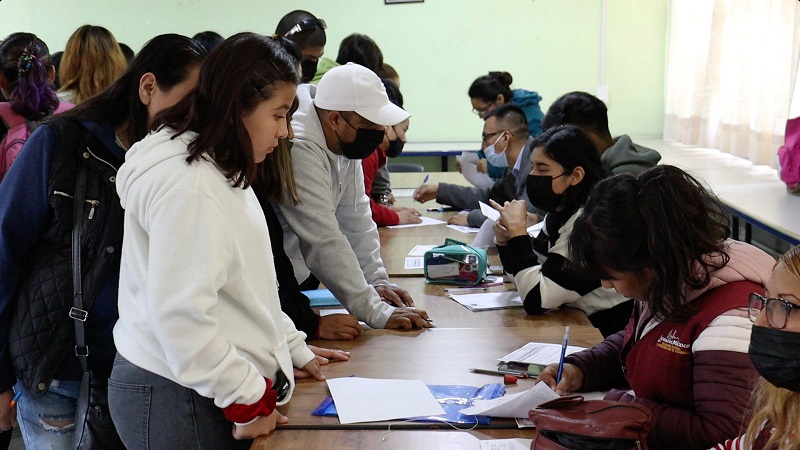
(695, 376)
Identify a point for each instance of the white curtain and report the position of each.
(731, 71)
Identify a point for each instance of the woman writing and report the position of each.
(201, 333)
(662, 239)
(565, 167)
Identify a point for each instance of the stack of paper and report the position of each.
(539, 353)
(514, 405)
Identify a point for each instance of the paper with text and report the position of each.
(369, 400)
(507, 444)
(489, 300)
(514, 405)
(539, 353)
(414, 262)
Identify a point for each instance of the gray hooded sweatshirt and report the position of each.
(330, 233)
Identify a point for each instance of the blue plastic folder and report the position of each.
(321, 297)
(452, 398)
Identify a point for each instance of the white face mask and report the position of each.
(493, 157)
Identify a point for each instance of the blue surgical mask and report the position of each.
(493, 157)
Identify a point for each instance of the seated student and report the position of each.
(774, 345)
(505, 130)
(662, 239)
(92, 61)
(393, 141)
(25, 79)
(565, 167)
(329, 235)
(273, 186)
(381, 185)
(209, 40)
(308, 33)
(589, 113)
(357, 49)
(488, 92)
(201, 333)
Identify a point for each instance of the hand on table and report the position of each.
(311, 370)
(571, 378)
(262, 426)
(408, 318)
(459, 219)
(513, 217)
(426, 192)
(482, 165)
(339, 326)
(394, 295)
(407, 216)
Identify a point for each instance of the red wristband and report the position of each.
(262, 408)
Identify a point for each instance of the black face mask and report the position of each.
(540, 192)
(365, 143)
(395, 148)
(309, 68)
(774, 355)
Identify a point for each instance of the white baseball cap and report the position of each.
(352, 87)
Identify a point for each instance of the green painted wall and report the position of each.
(438, 47)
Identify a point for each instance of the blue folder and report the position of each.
(322, 297)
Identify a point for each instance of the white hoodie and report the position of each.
(198, 297)
(331, 233)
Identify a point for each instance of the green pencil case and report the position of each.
(455, 263)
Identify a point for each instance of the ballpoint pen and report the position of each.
(563, 354)
(14, 400)
(442, 209)
(465, 289)
(425, 180)
(516, 373)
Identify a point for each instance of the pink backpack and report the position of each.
(789, 156)
(17, 131)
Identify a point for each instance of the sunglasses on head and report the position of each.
(306, 25)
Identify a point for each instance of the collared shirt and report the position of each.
(518, 164)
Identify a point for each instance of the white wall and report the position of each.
(439, 47)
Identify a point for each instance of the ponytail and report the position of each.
(25, 63)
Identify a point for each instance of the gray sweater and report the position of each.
(331, 233)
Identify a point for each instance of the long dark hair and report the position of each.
(25, 64)
(239, 74)
(664, 222)
(170, 57)
(571, 148)
(360, 49)
(488, 87)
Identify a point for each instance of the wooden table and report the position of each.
(435, 356)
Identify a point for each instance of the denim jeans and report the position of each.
(152, 412)
(41, 417)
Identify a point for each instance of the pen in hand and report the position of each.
(14, 400)
(425, 180)
(442, 209)
(563, 354)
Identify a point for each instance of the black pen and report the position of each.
(448, 209)
(516, 373)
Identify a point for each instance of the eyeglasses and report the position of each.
(306, 25)
(486, 136)
(778, 309)
(482, 111)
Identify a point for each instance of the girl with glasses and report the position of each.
(774, 346)
(662, 239)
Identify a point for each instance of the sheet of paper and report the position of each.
(489, 300)
(414, 262)
(534, 229)
(403, 192)
(507, 444)
(485, 236)
(419, 250)
(329, 311)
(490, 213)
(469, 169)
(514, 405)
(369, 400)
(539, 353)
(425, 221)
(463, 229)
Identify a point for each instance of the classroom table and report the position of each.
(434, 356)
(442, 149)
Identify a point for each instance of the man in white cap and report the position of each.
(330, 236)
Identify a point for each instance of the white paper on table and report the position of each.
(485, 236)
(463, 229)
(535, 229)
(510, 406)
(419, 250)
(414, 262)
(539, 353)
(489, 300)
(330, 311)
(425, 221)
(507, 444)
(370, 400)
(403, 192)
(489, 212)
(469, 169)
